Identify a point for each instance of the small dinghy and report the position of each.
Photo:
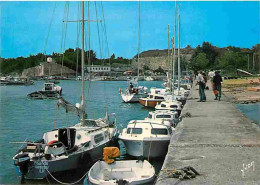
(50, 91)
(121, 172)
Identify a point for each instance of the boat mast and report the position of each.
(179, 45)
(138, 52)
(173, 64)
(174, 50)
(169, 62)
(82, 70)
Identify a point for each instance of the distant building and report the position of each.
(48, 69)
(98, 69)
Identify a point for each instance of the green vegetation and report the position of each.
(204, 57)
(227, 59)
(69, 58)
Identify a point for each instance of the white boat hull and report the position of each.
(132, 98)
(148, 147)
(129, 172)
(38, 168)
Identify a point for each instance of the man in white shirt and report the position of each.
(201, 82)
(211, 74)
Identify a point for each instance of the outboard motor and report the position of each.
(22, 161)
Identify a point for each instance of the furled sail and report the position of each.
(68, 106)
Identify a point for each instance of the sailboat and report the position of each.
(66, 148)
(134, 92)
(177, 96)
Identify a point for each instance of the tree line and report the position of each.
(227, 59)
(205, 57)
(69, 59)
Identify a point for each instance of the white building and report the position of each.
(98, 69)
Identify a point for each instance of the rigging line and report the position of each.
(62, 34)
(77, 44)
(65, 35)
(100, 47)
(103, 40)
(49, 29)
(102, 37)
(88, 54)
(89, 34)
(103, 14)
(139, 27)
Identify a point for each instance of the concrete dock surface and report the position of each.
(217, 140)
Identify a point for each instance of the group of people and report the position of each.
(215, 80)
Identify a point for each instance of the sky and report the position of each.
(28, 28)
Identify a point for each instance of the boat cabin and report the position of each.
(162, 115)
(156, 97)
(143, 128)
(158, 91)
(49, 87)
(168, 118)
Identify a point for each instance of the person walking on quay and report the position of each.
(202, 84)
(211, 74)
(217, 79)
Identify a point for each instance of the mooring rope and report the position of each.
(64, 182)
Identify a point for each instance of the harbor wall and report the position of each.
(217, 140)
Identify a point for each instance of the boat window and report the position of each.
(136, 131)
(163, 116)
(106, 134)
(170, 130)
(128, 131)
(158, 98)
(163, 105)
(86, 144)
(173, 106)
(151, 96)
(150, 116)
(48, 87)
(98, 138)
(159, 131)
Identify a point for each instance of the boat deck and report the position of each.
(217, 140)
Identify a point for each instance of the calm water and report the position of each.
(252, 111)
(22, 119)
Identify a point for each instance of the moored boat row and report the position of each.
(82, 144)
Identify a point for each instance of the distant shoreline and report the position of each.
(242, 91)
